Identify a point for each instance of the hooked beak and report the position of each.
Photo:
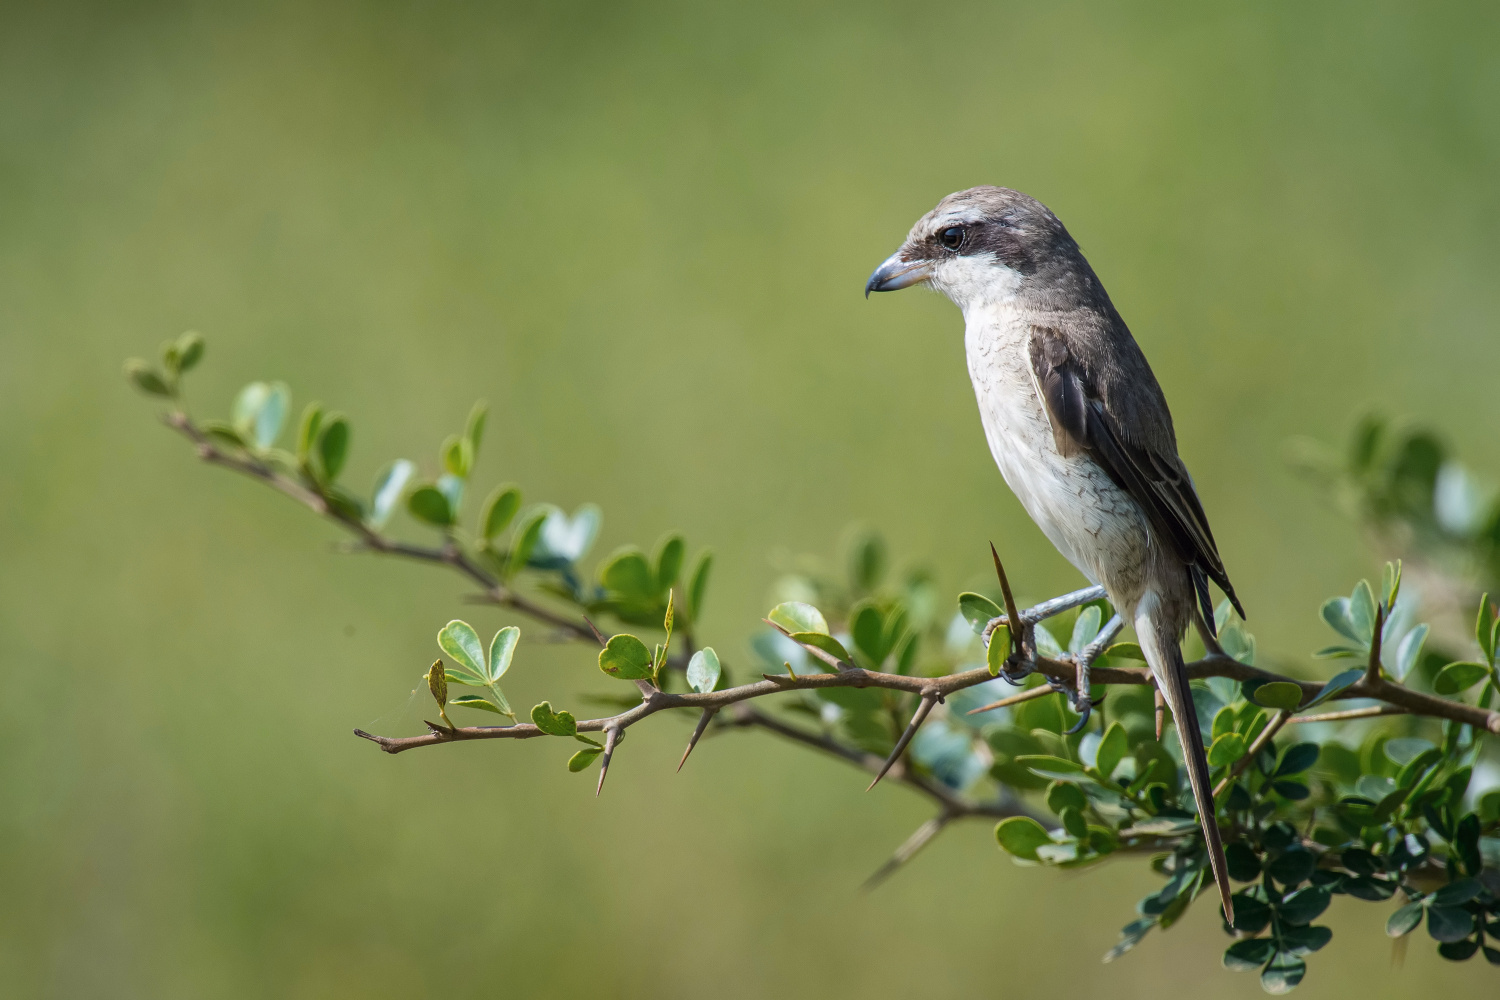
(896, 274)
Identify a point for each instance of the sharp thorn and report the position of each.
(708, 714)
(1035, 692)
(907, 850)
(1161, 712)
(595, 629)
(911, 728)
(610, 740)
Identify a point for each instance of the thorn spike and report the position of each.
(911, 728)
(708, 714)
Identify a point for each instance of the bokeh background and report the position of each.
(641, 231)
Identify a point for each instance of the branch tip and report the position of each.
(708, 714)
(928, 701)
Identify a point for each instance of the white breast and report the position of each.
(1094, 524)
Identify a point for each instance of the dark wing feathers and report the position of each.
(1081, 421)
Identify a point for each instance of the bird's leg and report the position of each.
(1082, 703)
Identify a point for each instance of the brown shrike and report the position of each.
(1079, 428)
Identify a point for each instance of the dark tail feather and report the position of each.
(1180, 698)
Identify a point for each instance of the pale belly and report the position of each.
(1092, 522)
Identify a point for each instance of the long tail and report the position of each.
(1160, 644)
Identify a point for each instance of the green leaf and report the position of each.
(1126, 651)
(866, 561)
(333, 446)
(1021, 836)
(474, 429)
(1304, 940)
(1409, 652)
(795, 616)
(703, 670)
(499, 509)
(1487, 628)
(867, 626)
(388, 486)
(1226, 750)
(1457, 677)
(1293, 867)
(977, 610)
(1362, 612)
(1065, 795)
(459, 640)
(247, 406)
(1404, 920)
(826, 643)
(698, 588)
(583, 759)
(271, 415)
(1085, 628)
(626, 657)
(669, 556)
(1336, 613)
(1112, 749)
(1297, 759)
(426, 503)
(1457, 893)
(223, 432)
(523, 539)
(502, 648)
(1338, 683)
(1074, 823)
(554, 723)
(1305, 905)
(1249, 954)
(1282, 973)
(189, 349)
(476, 701)
(1051, 767)
(1277, 694)
(627, 574)
(307, 430)
(998, 651)
(1449, 923)
(1418, 767)
(457, 455)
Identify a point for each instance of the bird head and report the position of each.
(985, 245)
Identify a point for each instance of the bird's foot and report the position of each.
(1079, 697)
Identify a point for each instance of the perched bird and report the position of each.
(1079, 428)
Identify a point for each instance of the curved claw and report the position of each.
(1083, 717)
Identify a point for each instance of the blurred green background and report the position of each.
(641, 231)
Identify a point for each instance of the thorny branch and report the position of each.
(1062, 674)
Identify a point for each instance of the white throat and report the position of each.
(977, 284)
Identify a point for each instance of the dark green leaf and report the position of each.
(523, 539)
(223, 433)
(554, 723)
(1294, 790)
(1074, 823)
(698, 588)
(1241, 860)
(1457, 893)
(333, 446)
(146, 378)
(189, 349)
(1282, 973)
(498, 511)
(867, 627)
(1249, 954)
(1404, 920)
(1449, 923)
(1297, 759)
(1461, 676)
(427, 504)
(1335, 685)
(1304, 906)
(669, 556)
(1458, 951)
(1418, 767)
(1021, 836)
(1485, 627)
(1304, 940)
(1051, 767)
(1251, 915)
(1293, 866)
(1065, 795)
(866, 561)
(625, 657)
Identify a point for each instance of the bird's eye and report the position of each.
(952, 237)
